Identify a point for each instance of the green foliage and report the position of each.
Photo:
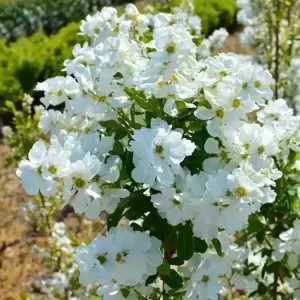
(25, 132)
(26, 17)
(34, 59)
(216, 13)
(185, 243)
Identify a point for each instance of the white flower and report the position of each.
(204, 283)
(30, 172)
(172, 205)
(277, 110)
(58, 89)
(121, 253)
(226, 108)
(289, 240)
(253, 142)
(171, 43)
(285, 288)
(102, 25)
(96, 261)
(158, 152)
(79, 180)
(137, 253)
(7, 131)
(182, 202)
(255, 84)
(94, 200)
(218, 37)
(56, 163)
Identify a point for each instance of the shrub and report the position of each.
(26, 17)
(216, 13)
(30, 60)
(153, 133)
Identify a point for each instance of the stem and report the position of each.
(132, 115)
(275, 285)
(168, 253)
(47, 220)
(277, 48)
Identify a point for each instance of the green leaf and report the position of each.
(125, 292)
(136, 227)
(11, 106)
(200, 245)
(262, 289)
(137, 205)
(196, 125)
(175, 261)
(132, 214)
(150, 104)
(147, 37)
(164, 268)
(174, 280)
(260, 236)
(185, 242)
(217, 245)
(113, 126)
(273, 268)
(94, 297)
(118, 149)
(293, 156)
(139, 97)
(157, 226)
(115, 217)
(151, 279)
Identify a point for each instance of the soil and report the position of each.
(18, 265)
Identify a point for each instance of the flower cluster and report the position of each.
(82, 165)
(150, 130)
(108, 259)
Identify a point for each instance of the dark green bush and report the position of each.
(26, 17)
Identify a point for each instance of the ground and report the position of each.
(17, 264)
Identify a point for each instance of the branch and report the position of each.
(277, 48)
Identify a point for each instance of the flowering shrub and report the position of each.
(191, 149)
(280, 52)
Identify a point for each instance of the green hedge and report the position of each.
(26, 17)
(216, 13)
(28, 60)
